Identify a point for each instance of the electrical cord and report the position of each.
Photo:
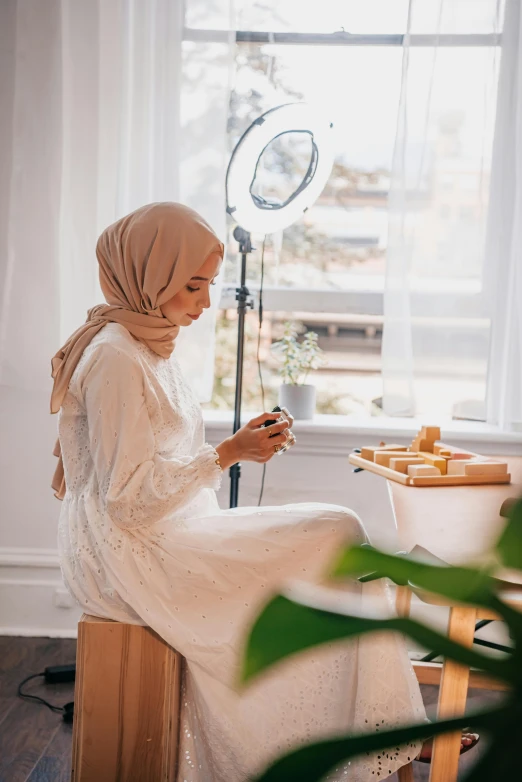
(36, 698)
(260, 310)
(66, 710)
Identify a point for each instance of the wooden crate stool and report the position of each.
(127, 701)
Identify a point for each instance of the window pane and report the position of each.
(463, 17)
(344, 232)
(370, 16)
(208, 14)
(340, 244)
(346, 385)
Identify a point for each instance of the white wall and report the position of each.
(32, 598)
(30, 173)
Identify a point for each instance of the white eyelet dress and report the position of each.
(143, 540)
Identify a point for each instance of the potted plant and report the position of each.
(297, 359)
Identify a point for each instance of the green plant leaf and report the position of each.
(312, 762)
(297, 358)
(461, 584)
(509, 545)
(287, 626)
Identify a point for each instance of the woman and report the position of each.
(142, 538)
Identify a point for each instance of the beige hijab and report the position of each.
(145, 259)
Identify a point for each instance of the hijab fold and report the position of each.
(144, 260)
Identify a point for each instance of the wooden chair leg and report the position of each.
(403, 600)
(405, 774)
(127, 699)
(452, 697)
(403, 606)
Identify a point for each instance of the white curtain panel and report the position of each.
(436, 303)
(504, 240)
(107, 110)
(207, 74)
(103, 108)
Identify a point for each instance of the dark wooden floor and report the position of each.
(35, 743)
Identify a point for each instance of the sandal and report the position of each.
(475, 740)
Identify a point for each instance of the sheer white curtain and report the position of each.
(436, 305)
(104, 114)
(504, 241)
(207, 72)
(103, 108)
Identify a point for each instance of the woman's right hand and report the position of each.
(253, 442)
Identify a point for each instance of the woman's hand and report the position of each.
(253, 443)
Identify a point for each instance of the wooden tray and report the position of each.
(432, 480)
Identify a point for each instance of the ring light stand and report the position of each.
(254, 213)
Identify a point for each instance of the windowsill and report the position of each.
(327, 428)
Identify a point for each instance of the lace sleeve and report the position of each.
(138, 485)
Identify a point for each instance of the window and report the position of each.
(327, 271)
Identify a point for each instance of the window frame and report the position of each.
(365, 302)
(341, 38)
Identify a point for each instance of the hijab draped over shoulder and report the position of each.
(144, 259)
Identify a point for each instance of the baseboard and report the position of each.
(38, 632)
(33, 598)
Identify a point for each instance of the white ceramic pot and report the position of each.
(299, 400)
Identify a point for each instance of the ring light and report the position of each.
(255, 213)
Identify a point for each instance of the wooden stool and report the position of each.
(127, 701)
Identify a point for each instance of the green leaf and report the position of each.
(457, 583)
(288, 626)
(509, 545)
(312, 762)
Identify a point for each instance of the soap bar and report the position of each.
(420, 444)
(369, 452)
(436, 461)
(383, 457)
(441, 450)
(458, 466)
(431, 433)
(485, 468)
(401, 463)
(422, 470)
(426, 438)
